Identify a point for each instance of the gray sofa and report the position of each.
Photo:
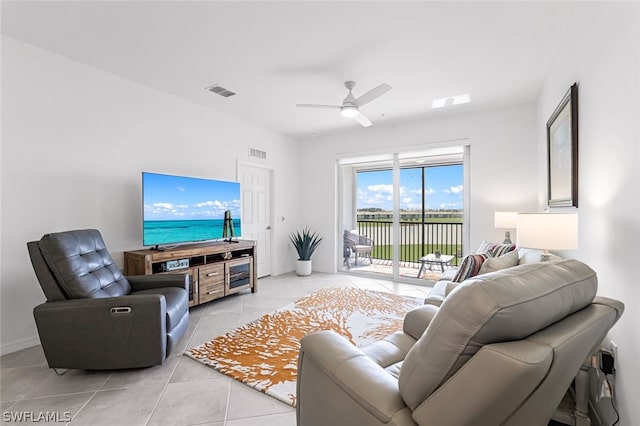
(95, 318)
(502, 349)
(445, 285)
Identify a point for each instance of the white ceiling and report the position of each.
(277, 54)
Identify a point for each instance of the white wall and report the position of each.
(74, 141)
(604, 58)
(503, 167)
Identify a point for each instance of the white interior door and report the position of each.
(256, 213)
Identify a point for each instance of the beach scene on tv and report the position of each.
(179, 209)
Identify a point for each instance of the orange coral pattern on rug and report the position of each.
(264, 353)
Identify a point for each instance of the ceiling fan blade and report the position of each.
(318, 106)
(372, 94)
(360, 118)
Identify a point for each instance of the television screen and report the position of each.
(179, 209)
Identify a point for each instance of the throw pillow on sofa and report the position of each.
(495, 249)
(505, 261)
(502, 249)
(498, 256)
(470, 266)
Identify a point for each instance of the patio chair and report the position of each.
(357, 244)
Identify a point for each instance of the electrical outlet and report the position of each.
(606, 362)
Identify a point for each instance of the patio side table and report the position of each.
(444, 260)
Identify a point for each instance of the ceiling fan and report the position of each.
(350, 107)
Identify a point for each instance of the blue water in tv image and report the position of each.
(179, 209)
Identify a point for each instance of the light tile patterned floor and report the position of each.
(181, 391)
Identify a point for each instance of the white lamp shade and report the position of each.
(548, 231)
(505, 220)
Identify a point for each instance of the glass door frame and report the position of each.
(349, 164)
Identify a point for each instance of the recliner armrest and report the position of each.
(417, 320)
(332, 367)
(105, 333)
(83, 309)
(146, 282)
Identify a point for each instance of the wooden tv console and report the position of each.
(215, 269)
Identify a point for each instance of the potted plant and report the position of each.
(305, 243)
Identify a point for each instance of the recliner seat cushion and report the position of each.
(503, 306)
(81, 264)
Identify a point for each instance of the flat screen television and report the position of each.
(181, 209)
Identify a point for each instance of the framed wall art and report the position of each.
(562, 152)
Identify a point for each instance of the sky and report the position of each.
(443, 188)
(167, 197)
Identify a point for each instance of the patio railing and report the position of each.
(417, 239)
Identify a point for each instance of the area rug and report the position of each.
(263, 354)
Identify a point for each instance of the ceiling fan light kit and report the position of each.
(349, 111)
(350, 107)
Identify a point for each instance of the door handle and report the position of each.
(268, 228)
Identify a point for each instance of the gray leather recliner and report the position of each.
(95, 318)
(502, 349)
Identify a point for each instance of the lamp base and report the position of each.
(507, 238)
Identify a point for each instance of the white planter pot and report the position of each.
(303, 267)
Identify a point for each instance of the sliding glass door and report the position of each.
(409, 209)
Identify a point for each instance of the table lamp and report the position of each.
(547, 231)
(505, 220)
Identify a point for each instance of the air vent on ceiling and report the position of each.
(256, 153)
(217, 89)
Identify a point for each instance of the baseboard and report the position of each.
(16, 345)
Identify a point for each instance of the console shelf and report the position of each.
(215, 269)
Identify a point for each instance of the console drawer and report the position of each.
(211, 292)
(213, 274)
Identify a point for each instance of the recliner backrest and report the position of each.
(47, 281)
(498, 307)
(81, 265)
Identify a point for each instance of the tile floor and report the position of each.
(181, 391)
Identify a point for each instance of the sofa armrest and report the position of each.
(417, 320)
(439, 292)
(105, 333)
(449, 274)
(146, 282)
(339, 384)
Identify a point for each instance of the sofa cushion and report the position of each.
(470, 266)
(505, 261)
(507, 305)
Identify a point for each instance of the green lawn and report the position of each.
(411, 253)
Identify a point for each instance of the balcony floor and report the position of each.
(384, 267)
